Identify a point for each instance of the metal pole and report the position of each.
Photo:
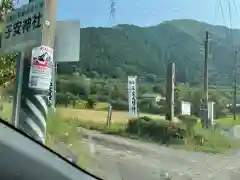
(205, 88)
(33, 114)
(235, 86)
(18, 92)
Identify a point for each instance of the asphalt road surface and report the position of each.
(123, 159)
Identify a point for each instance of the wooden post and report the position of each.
(170, 91)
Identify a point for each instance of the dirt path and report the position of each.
(129, 159)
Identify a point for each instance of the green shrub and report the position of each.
(170, 133)
(90, 104)
(213, 141)
(189, 118)
(1, 107)
(120, 105)
(116, 128)
(189, 121)
(157, 130)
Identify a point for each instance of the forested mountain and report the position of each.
(145, 51)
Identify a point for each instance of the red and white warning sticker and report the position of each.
(41, 68)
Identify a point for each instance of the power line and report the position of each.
(235, 5)
(230, 19)
(222, 12)
(224, 19)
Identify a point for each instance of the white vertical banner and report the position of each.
(132, 95)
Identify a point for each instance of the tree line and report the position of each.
(71, 90)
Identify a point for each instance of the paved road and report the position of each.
(121, 159)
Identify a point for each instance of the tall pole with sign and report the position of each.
(67, 32)
(31, 26)
(34, 98)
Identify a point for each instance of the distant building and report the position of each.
(157, 97)
(230, 105)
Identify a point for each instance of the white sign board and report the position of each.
(132, 95)
(41, 68)
(211, 112)
(185, 108)
(67, 41)
(23, 27)
(236, 131)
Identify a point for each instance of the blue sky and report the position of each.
(149, 12)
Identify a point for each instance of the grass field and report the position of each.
(100, 116)
(66, 121)
(229, 121)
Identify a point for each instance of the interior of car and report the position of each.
(23, 158)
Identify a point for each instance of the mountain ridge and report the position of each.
(146, 51)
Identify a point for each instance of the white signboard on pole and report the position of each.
(211, 112)
(41, 68)
(23, 27)
(67, 41)
(132, 95)
(185, 108)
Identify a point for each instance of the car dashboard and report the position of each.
(22, 158)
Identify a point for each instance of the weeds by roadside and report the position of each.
(63, 131)
(177, 135)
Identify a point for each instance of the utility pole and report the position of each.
(205, 85)
(33, 109)
(235, 85)
(170, 91)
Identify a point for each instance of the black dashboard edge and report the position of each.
(56, 158)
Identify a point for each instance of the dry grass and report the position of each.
(84, 114)
(100, 116)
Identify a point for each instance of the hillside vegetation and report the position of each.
(146, 51)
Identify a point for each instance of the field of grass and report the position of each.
(99, 105)
(229, 121)
(62, 127)
(97, 115)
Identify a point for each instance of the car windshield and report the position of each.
(126, 89)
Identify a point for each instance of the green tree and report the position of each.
(7, 63)
(220, 104)
(158, 88)
(90, 104)
(5, 7)
(195, 102)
